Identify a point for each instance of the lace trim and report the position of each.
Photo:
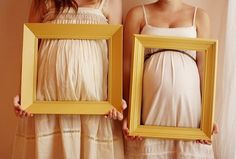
(100, 140)
(84, 15)
(48, 134)
(67, 132)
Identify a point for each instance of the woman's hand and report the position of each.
(214, 131)
(126, 132)
(18, 110)
(116, 115)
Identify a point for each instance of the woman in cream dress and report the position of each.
(72, 70)
(171, 79)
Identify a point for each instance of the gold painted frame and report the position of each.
(35, 31)
(208, 92)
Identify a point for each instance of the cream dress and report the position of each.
(171, 97)
(71, 70)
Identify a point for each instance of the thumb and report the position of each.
(123, 105)
(215, 129)
(120, 116)
(16, 101)
(125, 125)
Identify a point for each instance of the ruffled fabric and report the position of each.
(83, 16)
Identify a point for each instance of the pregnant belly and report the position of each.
(171, 88)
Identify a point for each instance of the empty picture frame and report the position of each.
(35, 31)
(208, 93)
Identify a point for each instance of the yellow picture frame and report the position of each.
(35, 31)
(208, 92)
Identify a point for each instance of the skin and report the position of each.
(165, 14)
(112, 9)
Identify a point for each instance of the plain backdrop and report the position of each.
(12, 16)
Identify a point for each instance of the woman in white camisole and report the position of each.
(171, 80)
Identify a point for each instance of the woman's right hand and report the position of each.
(126, 132)
(18, 110)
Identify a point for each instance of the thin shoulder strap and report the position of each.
(194, 16)
(145, 14)
(102, 4)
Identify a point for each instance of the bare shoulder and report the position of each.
(112, 9)
(135, 14)
(203, 23)
(202, 17)
(112, 3)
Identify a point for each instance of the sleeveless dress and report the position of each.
(71, 70)
(171, 97)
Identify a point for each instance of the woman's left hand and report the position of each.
(116, 115)
(214, 131)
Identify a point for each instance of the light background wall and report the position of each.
(12, 16)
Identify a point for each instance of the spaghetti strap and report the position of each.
(194, 16)
(145, 14)
(101, 5)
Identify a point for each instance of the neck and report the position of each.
(170, 4)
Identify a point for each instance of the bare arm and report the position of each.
(113, 11)
(133, 25)
(203, 31)
(35, 16)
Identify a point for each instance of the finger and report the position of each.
(123, 104)
(17, 108)
(201, 141)
(207, 142)
(139, 138)
(132, 138)
(126, 131)
(26, 114)
(16, 101)
(215, 129)
(125, 124)
(20, 113)
(127, 137)
(120, 116)
(114, 114)
(107, 115)
(16, 112)
(29, 114)
(110, 114)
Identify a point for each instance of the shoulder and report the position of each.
(113, 2)
(202, 23)
(112, 9)
(136, 10)
(202, 18)
(113, 5)
(136, 14)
